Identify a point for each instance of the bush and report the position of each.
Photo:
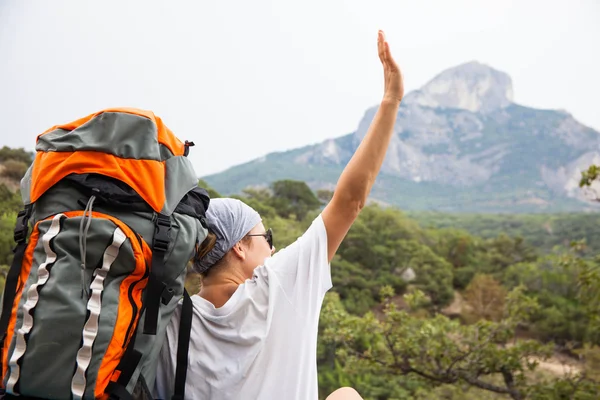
(486, 297)
(14, 169)
(7, 243)
(9, 201)
(6, 153)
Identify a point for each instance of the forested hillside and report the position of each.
(424, 312)
(542, 231)
(435, 306)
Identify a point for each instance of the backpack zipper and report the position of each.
(130, 294)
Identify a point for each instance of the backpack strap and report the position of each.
(156, 289)
(131, 358)
(127, 366)
(116, 390)
(183, 345)
(12, 279)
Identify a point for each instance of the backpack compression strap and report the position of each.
(127, 366)
(12, 279)
(183, 345)
(131, 358)
(157, 288)
(155, 291)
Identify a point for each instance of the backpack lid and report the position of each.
(128, 144)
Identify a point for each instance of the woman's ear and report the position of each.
(239, 251)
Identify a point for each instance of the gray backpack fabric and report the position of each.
(117, 215)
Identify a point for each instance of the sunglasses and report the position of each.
(267, 235)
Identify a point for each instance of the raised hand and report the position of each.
(393, 82)
(359, 175)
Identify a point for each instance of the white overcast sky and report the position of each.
(243, 78)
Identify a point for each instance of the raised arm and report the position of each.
(357, 179)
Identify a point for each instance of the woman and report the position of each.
(254, 327)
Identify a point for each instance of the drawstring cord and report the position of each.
(84, 227)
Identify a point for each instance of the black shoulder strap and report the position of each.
(156, 290)
(183, 345)
(12, 279)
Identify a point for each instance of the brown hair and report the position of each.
(206, 246)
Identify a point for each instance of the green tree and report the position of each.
(325, 195)
(587, 273)
(504, 251)
(13, 169)
(562, 316)
(7, 243)
(211, 192)
(440, 351)
(433, 273)
(6, 153)
(485, 296)
(589, 176)
(260, 200)
(9, 201)
(293, 197)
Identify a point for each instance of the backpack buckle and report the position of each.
(161, 234)
(167, 295)
(187, 146)
(21, 227)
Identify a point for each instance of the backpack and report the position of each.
(117, 214)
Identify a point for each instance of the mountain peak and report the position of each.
(471, 86)
(452, 151)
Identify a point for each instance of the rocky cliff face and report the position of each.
(472, 86)
(460, 135)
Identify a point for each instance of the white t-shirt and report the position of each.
(262, 343)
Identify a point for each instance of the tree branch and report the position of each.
(510, 383)
(450, 377)
(391, 346)
(515, 394)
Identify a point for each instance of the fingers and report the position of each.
(388, 56)
(393, 81)
(385, 54)
(381, 46)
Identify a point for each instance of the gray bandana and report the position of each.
(230, 220)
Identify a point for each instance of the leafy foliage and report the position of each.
(7, 226)
(527, 294)
(211, 192)
(589, 176)
(293, 198)
(14, 169)
(485, 296)
(9, 201)
(6, 153)
(436, 350)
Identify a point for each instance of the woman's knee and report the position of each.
(345, 393)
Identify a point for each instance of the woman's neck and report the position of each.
(219, 286)
(218, 295)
